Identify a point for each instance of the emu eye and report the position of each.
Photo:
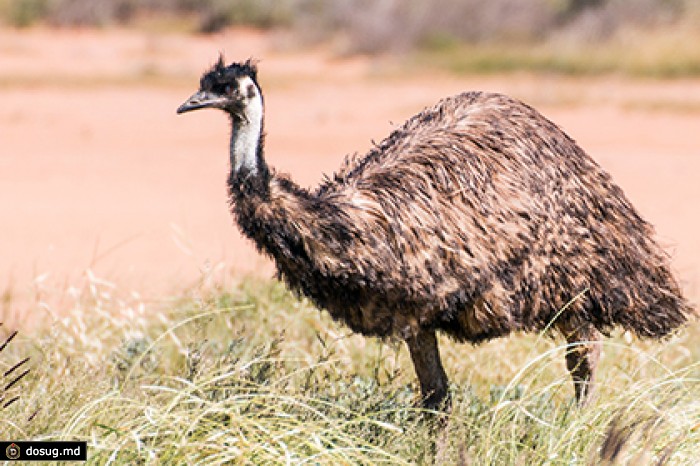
(229, 88)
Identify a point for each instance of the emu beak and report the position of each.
(201, 99)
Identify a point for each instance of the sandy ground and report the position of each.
(100, 178)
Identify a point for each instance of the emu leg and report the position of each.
(426, 360)
(581, 360)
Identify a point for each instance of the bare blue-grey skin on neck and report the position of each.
(247, 130)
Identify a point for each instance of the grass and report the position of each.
(251, 375)
(667, 53)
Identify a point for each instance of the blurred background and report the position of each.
(100, 181)
(555, 33)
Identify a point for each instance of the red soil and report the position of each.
(97, 172)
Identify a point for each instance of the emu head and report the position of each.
(232, 88)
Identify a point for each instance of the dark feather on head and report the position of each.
(220, 75)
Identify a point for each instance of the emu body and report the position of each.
(478, 217)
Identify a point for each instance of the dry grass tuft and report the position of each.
(252, 375)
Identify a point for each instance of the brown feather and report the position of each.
(478, 217)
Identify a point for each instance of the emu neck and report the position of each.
(246, 142)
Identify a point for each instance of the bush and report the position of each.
(23, 13)
(91, 12)
(258, 13)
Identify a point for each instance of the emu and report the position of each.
(477, 218)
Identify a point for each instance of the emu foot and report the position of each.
(437, 402)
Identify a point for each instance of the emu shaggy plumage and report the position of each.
(478, 217)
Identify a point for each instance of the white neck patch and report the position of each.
(246, 133)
